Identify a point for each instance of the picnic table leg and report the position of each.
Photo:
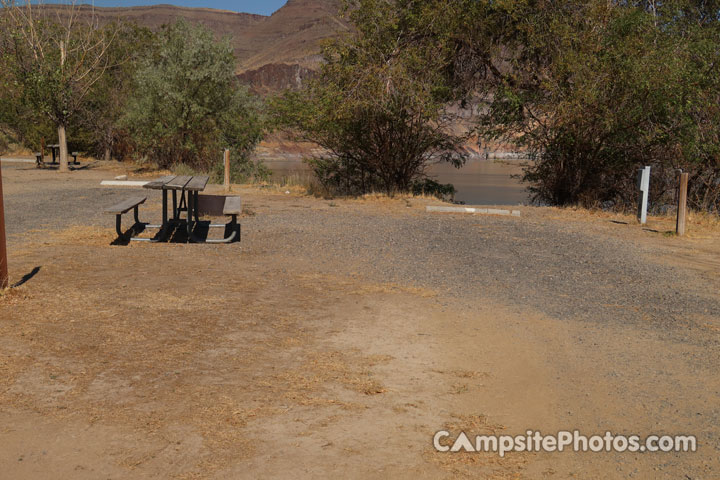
(176, 214)
(196, 205)
(118, 226)
(164, 212)
(189, 206)
(52, 149)
(162, 234)
(234, 229)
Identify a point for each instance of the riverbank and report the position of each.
(339, 335)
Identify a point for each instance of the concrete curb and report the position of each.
(485, 211)
(122, 183)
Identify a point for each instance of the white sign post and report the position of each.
(644, 187)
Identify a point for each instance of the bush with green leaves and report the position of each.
(187, 104)
(101, 116)
(378, 105)
(596, 89)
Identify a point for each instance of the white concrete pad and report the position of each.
(484, 211)
(122, 183)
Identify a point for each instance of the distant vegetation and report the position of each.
(186, 104)
(167, 97)
(596, 89)
(378, 105)
(591, 89)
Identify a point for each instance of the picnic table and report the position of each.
(185, 190)
(55, 151)
(189, 188)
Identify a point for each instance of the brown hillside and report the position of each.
(223, 23)
(275, 51)
(293, 34)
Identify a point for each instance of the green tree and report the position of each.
(187, 104)
(595, 89)
(102, 113)
(378, 105)
(55, 60)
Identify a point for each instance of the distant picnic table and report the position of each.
(55, 152)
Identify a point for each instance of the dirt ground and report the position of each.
(339, 335)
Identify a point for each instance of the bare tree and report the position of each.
(58, 53)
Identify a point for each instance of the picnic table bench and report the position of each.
(132, 203)
(185, 191)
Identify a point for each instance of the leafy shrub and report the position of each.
(188, 105)
(378, 105)
(597, 89)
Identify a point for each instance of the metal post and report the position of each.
(188, 205)
(644, 187)
(3, 244)
(227, 170)
(682, 204)
(196, 205)
(165, 209)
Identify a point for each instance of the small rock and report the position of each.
(121, 177)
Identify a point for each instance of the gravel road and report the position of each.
(553, 267)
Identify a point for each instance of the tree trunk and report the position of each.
(107, 155)
(62, 140)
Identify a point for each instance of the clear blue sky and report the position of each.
(262, 7)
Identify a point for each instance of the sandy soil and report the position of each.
(338, 336)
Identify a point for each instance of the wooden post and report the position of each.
(42, 150)
(227, 170)
(682, 204)
(3, 245)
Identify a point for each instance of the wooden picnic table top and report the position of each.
(197, 184)
(159, 183)
(179, 182)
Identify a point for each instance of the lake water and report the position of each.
(478, 182)
(484, 182)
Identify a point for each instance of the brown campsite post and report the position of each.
(42, 150)
(3, 245)
(227, 170)
(682, 205)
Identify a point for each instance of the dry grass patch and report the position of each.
(13, 295)
(699, 225)
(309, 384)
(488, 465)
(75, 236)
